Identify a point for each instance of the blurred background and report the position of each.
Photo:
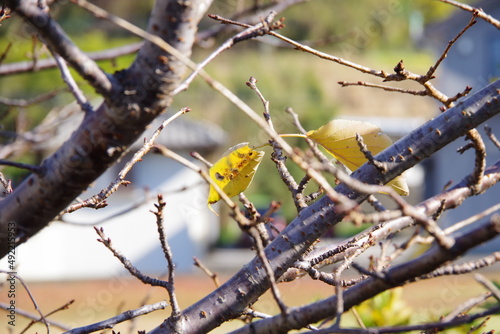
(377, 34)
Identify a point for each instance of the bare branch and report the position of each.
(174, 319)
(111, 322)
(488, 285)
(35, 317)
(476, 11)
(386, 88)
(207, 271)
(297, 317)
(42, 64)
(28, 102)
(492, 136)
(55, 37)
(97, 201)
(32, 298)
(127, 264)
(430, 73)
(70, 82)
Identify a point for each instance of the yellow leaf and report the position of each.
(338, 137)
(234, 171)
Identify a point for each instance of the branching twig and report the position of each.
(34, 320)
(128, 265)
(434, 326)
(277, 156)
(368, 155)
(259, 29)
(32, 298)
(492, 136)
(488, 285)
(59, 41)
(28, 102)
(207, 271)
(111, 322)
(463, 268)
(31, 168)
(476, 11)
(97, 201)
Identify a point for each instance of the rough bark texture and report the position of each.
(246, 286)
(134, 97)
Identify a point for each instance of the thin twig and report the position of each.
(477, 11)
(111, 322)
(492, 136)
(127, 264)
(167, 253)
(70, 82)
(369, 156)
(28, 102)
(277, 156)
(488, 285)
(32, 298)
(434, 326)
(466, 307)
(97, 201)
(267, 268)
(386, 88)
(444, 54)
(43, 64)
(480, 159)
(31, 168)
(259, 29)
(7, 184)
(211, 274)
(463, 268)
(54, 323)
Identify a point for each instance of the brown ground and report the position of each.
(99, 300)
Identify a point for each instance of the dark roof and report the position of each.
(182, 134)
(185, 134)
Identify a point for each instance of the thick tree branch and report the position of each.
(53, 34)
(106, 133)
(227, 302)
(299, 317)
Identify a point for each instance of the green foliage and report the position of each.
(385, 309)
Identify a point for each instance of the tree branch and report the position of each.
(105, 134)
(299, 317)
(316, 219)
(53, 34)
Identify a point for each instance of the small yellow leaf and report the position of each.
(234, 171)
(338, 137)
